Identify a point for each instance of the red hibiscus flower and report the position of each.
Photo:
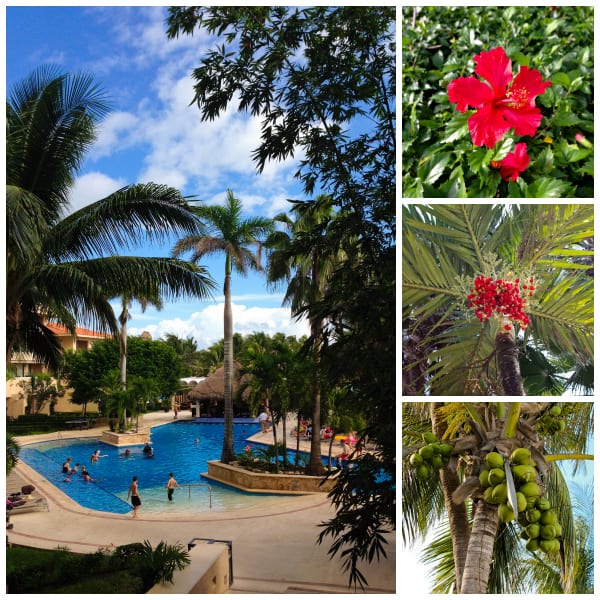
(514, 163)
(502, 102)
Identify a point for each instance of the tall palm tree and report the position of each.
(297, 257)
(446, 349)
(66, 267)
(474, 551)
(228, 232)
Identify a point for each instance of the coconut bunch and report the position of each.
(538, 520)
(430, 457)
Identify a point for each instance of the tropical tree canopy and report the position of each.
(546, 251)
(240, 239)
(65, 267)
(483, 486)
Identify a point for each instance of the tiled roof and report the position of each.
(79, 331)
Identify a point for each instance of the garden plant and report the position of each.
(497, 102)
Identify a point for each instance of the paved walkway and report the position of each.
(274, 549)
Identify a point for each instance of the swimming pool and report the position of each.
(182, 448)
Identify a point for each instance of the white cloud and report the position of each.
(116, 131)
(92, 187)
(206, 325)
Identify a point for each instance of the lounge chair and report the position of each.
(25, 504)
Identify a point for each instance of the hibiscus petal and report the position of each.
(514, 163)
(525, 121)
(494, 66)
(487, 126)
(469, 91)
(529, 80)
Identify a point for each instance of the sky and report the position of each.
(154, 135)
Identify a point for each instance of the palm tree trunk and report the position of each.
(508, 364)
(481, 549)
(227, 454)
(457, 513)
(123, 317)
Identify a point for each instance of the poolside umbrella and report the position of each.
(211, 389)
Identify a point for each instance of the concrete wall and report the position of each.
(249, 480)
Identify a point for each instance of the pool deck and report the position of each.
(274, 548)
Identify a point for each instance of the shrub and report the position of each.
(439, 157)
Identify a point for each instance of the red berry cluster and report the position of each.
(503, 297)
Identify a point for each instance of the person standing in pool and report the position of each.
(171, 485)
(136, 501)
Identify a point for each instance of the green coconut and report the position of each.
(532, 545)
(521, 502)
(556, 410)
(505, 513)
(426, 452)
(500, 493)
(437, 448)
(542, 504)
(533, 515)
(557, 529)
(548, 517)
(496, 476)
(437, 462)
(533, 530)
(429, 438)
(483, 478)
(487, 496)
(531, 489)
(494, 460)
(520, 456)
(524, 473)
(547, 532)
(423, 472)
(416, 459)
(446, 449)
(547, 545)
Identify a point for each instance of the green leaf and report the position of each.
(478, 158)
(546, 187)
(545, 161)
(520, 58)
(457, 128)
(457, 186)
(433, 168)
(500, 151)
(552, 26)
(564, 119)
(561, 78)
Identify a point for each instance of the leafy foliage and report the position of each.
(438, 46)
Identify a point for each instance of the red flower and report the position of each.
(514, 163)
(503, 102)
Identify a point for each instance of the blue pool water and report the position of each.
(175, 450)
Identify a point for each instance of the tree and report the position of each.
(297, 256)
(65, 267)
(151, 360)
(448, 250)
(39, 390)
(483, 552)
(234, 236)
(322, 80)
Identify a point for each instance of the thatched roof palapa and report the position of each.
(213, 387)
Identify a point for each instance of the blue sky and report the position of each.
(152, 134)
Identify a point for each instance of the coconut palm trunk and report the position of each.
(480, 550)
(228, 454)
(457, 513)
(508, 364)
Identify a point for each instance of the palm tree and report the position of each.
(12, 452)
(234, 236)
(298, 257)
(66, 267)
(446, 350)
(474, 552)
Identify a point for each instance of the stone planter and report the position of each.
(126, 439)
(250, 481)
